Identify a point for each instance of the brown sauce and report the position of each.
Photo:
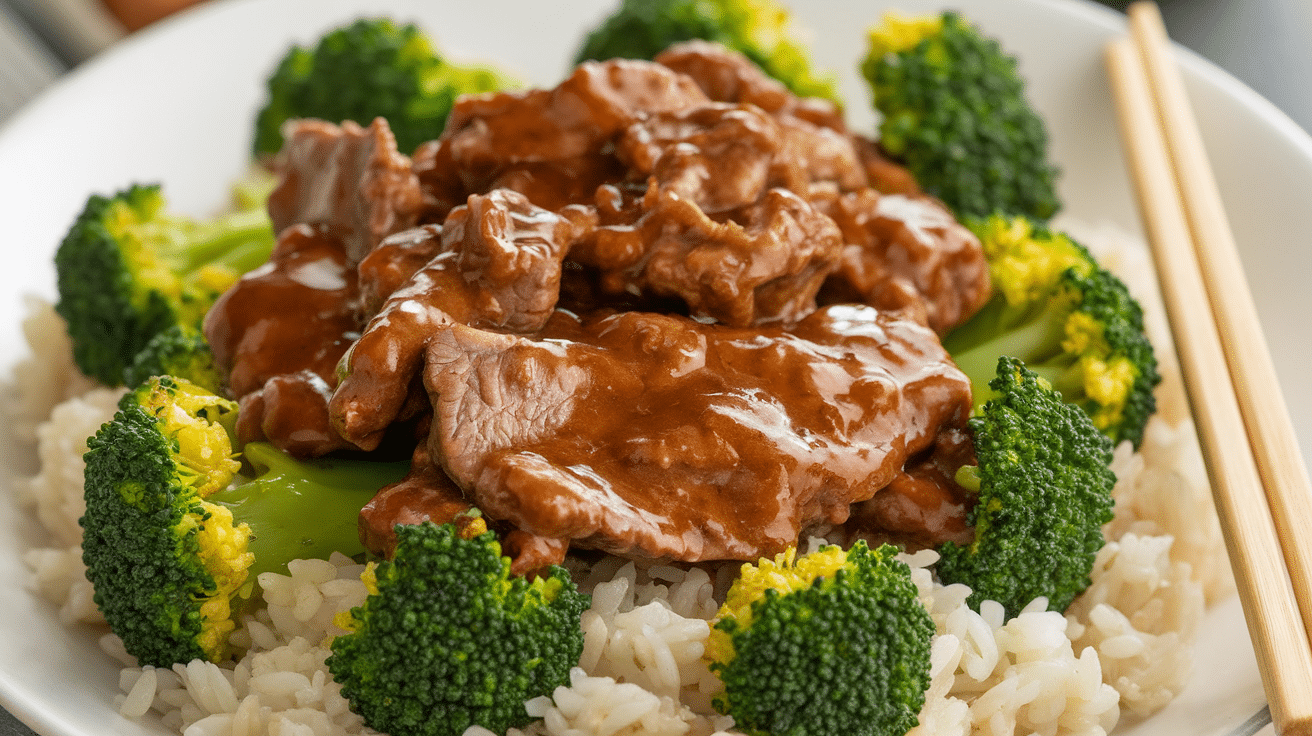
(661, 436)
(605, 295)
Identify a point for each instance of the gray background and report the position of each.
(1267, 44)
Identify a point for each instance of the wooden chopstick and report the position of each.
(1266, 415)
(1261, 564)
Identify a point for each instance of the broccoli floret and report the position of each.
(370, 68)
(179, 351)
(128, 270)
(834, 642)
(758, 29)
(448, 639)
(171, 550)
(252, 190)
(1044, 491)
(954, 111)
(1069, 319)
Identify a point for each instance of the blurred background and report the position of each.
(1267, 44)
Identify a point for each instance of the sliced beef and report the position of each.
(718, 156)
(763, 266)
(884, 175)
(393, 263)
(923, 506)
(291, 412)
(726, 76)
(654, 435)
(279, 333)
(497, 266)
(425, 494)
(296, 312)
(701, 407)
(813, 143)
(349, 179)
(906, 253)
(548, 144)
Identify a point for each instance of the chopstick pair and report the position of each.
(1259, 480)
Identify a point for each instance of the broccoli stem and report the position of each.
(241, 241)
(1036, 343)
(303, 509)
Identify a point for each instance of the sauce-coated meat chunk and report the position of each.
(547, 144)
(279, 333)
(349, 179)
(660, 436)
(497, 265)
(763, 266)
(906, 253)
(813, 138)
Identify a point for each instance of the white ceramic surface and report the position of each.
(175, 104)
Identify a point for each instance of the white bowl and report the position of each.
(175, 104)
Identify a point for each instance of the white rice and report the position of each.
(1122, 647)
(55, 492)
(279, 684)
(44, 377)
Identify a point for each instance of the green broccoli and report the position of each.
(173, 535)
(252, 190)
(370, 68)
(758, 29)
(128, 270)
(834, 642)
(1043, 490)
(448, 639)
(1070, 320)
(954, 112)
(180, 351)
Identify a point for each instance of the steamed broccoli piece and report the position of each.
(1070, 320)
(758, 29)
(172, 536)
(954, 111)
(1044, 492)
(180, 351)
(128, 270)
(370, 68)
(448, 639)
(834, 642)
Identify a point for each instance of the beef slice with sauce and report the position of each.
(813, 143)
(497, 265)
(278, 334)
(906, 253)
(549, 144)
(347, 178)
(763, 265)
(654, 435)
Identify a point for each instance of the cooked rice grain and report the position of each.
(44, 377)
(56, 490)
(55, 493)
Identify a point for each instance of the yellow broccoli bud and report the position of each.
(897, 32)
(784, 574)
(1023, 264)
(223, 552)
(204, 449)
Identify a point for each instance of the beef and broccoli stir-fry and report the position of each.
(667, 310)
(598, 308)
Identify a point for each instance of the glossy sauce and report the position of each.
(296, 312)
(489, 291)
(660, 436)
